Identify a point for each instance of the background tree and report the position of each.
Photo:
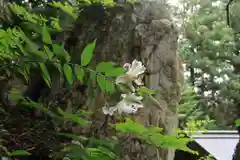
(210, 50)
(52, 82)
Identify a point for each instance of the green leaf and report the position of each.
(66, 8)
(46, 38)
(61, 53)
(101, 82)
(57, 49)
(131, 127)
(156, 129)
(145, 90)
(48, 52)
(79, 73)
(46, 75)
(87, 53)
(76, 151)
(73, 117)
(40, 55)
(31, 46)
(15, 95)
(20, 153)
(24, 73)
(110, 86)
(104, 66)
(92, 76)
(68, 73)
(115, 72)
(58, 66)
(55, 24)
(74, 137)
(237, 122)
(31, 104)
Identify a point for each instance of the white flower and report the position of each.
(134, 72)
(131, 97)
(136, 68)
(129, 104)
(109, 111)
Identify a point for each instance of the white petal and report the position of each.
(105, 110)
(136, 69)
(123, 79)
(131, 87)
(123, 95)
(127, 65)
(139, 81)
(124, 107)
(136, 64)
(138, 105)
(108, 111)
(132, 74)
(133, 98)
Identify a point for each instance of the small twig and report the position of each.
(30, 149)
(105, 124)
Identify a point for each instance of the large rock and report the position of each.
(159, 44)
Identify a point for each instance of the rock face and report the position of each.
(145, 32)
(158, 52)
(159, 44)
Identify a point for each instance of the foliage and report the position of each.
(237, 122)
(207, 158)
(153, 136)
(29, 47)
(191, 111)
(210, 50)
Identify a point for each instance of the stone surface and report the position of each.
(158, 52)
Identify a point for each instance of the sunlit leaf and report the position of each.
(46, 38)
(48, 52)
(130, 127)
(145, 90)
(115, 72)
(65, 7)
(46, 75)
(72, 117)
(104, 66)
(19, 153)
(237, 122)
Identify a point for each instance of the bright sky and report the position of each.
(173, 2)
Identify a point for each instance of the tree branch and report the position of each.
(228, 11)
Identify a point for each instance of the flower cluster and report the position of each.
(130, 103)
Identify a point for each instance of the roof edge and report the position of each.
(214, 132)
